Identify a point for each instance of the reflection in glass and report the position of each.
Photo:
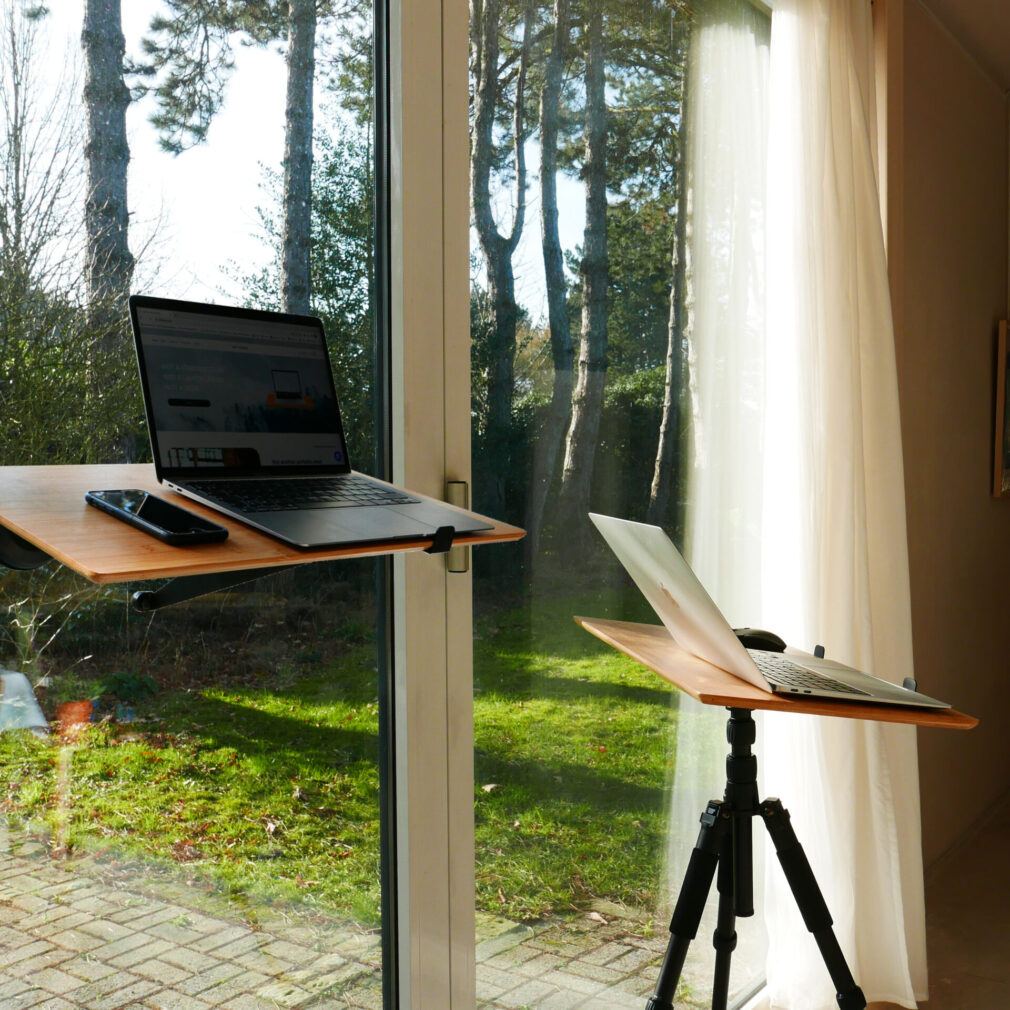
(190, 803)
(596, 269)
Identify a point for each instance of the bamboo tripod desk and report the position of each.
(44, 506)
(724, 841)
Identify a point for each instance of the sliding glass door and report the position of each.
(607, 145)
(191, 805)
(214, 832)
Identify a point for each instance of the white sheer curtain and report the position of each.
(796, 494)
(726, 162)
(835, 569)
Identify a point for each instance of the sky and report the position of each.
(193, 215)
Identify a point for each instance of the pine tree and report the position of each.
(189, 57)
(555, 423)
(587, 400)
(106, 96)
(498, 247)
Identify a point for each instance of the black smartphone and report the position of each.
(159, 518)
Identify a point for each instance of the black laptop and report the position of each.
(243, 417)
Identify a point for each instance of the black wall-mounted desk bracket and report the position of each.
(17, 553)
(189, 587)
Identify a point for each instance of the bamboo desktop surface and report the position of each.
(45, 506)
(653, 647)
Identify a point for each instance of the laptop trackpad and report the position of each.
(433, 516)
(319, 527)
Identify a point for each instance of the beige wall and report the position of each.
(948, 215)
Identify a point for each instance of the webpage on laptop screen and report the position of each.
(239, 393)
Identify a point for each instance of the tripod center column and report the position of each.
(742, 797)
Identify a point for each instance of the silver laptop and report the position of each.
(698, 627)
(243, 417)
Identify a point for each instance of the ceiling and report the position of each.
(983, 28)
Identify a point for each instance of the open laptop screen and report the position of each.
(235, 392)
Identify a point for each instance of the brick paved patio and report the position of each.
(606, 960)
(562, 965)
(100, 938)
(93, 936)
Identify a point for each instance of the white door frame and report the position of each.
(430, 363)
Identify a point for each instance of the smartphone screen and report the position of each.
(172, 520)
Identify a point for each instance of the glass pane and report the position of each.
(605, 157)
(190, 809)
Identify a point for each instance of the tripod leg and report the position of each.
(691, 902)
(811, 903)
(724, 938)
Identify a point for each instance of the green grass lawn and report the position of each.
(268, 794)
(265, 787)
(573, 760)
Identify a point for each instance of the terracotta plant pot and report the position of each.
(73, 716)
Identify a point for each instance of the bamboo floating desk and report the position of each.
(652, 646)
(45, 506)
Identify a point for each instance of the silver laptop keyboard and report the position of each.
(297, 493)
(781, 672)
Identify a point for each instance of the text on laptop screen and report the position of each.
(229, 392)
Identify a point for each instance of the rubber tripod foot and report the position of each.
(658, 1004)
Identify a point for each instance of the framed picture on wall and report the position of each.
(1001, 449)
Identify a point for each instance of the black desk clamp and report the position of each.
(442, 540)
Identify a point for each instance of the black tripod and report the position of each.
(725, 840)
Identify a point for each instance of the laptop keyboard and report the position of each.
(781, 672)
(296, 494)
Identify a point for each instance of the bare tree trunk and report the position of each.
(296, 239)
(669, 426)
(109, 261)
(496, 247)
(40, 165)
(677, 326)
(39, 161)
(17, 52)
(548, 445)
(587, 401)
